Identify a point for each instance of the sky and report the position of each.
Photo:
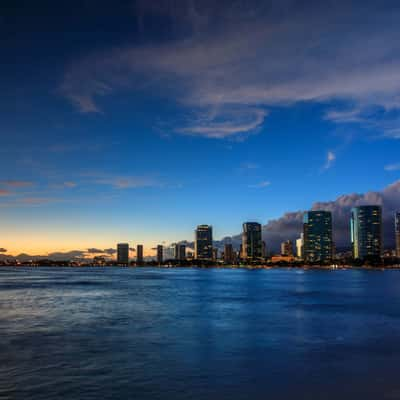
(135, 121)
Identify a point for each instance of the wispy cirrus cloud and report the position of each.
(240, 58)
(260, 185)
(246, 166)
(4, 192)
(17, 184)
(392, 167)
(330, 159)
(128, 182)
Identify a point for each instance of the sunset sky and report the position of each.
(135, 121)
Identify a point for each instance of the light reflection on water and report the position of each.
(190, 333)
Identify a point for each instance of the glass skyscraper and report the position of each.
(203, 242)
(397, 233)
(366, 231)
(252, 246)
(317, 231)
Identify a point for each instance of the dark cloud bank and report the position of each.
(289, 225)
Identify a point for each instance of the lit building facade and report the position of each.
(252, 247)
(366, 231)
(203, 243)
(397, 233)
(287, 248)
(122, 253)
(317, 231)
(300, 246)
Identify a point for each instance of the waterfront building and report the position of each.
(203, 242)
(264, 250)
(252, 241)
(282, 259)
(160, 254)
(180, 251)
(122, 253)
(215, 254)
(300, 246)
(397, 233)
(317, 231)
(366, 232)
(287, 248)
(228, 253)
(139, 254)
(99, 261)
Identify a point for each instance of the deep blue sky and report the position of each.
(136, 121)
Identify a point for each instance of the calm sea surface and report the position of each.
(144, 333)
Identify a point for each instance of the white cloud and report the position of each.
(254, 56)
(392, 167)
(126, 182)
(330, 158)
(260, 185)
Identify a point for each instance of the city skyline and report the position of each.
(215, 112)
(315, 244)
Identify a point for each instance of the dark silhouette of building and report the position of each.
(228, 253)
(180, 252)
(139, 254)
(122, 253)
(160, 254)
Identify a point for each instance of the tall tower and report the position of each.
(397, 232)
(160, 254)
(228, 253)
(300, 246)
(122, 253)
(180, 252)
(317, 230)
(287, 248)
(139, 254)
(252, 241)
(203, 242)
(366, 231)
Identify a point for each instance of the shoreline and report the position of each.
(243, 266)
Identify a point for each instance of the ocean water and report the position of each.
(115, 333)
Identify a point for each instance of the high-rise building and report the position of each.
(287, 248)
(366, 231)
(252, 241)
(300, 246)
(160, 254)
(215, 254)
(317, 230)
(228, 253)
(264, 250)
(203, 242)
(180, 251)
(397, 232)
(139, 254)
(123, 253)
